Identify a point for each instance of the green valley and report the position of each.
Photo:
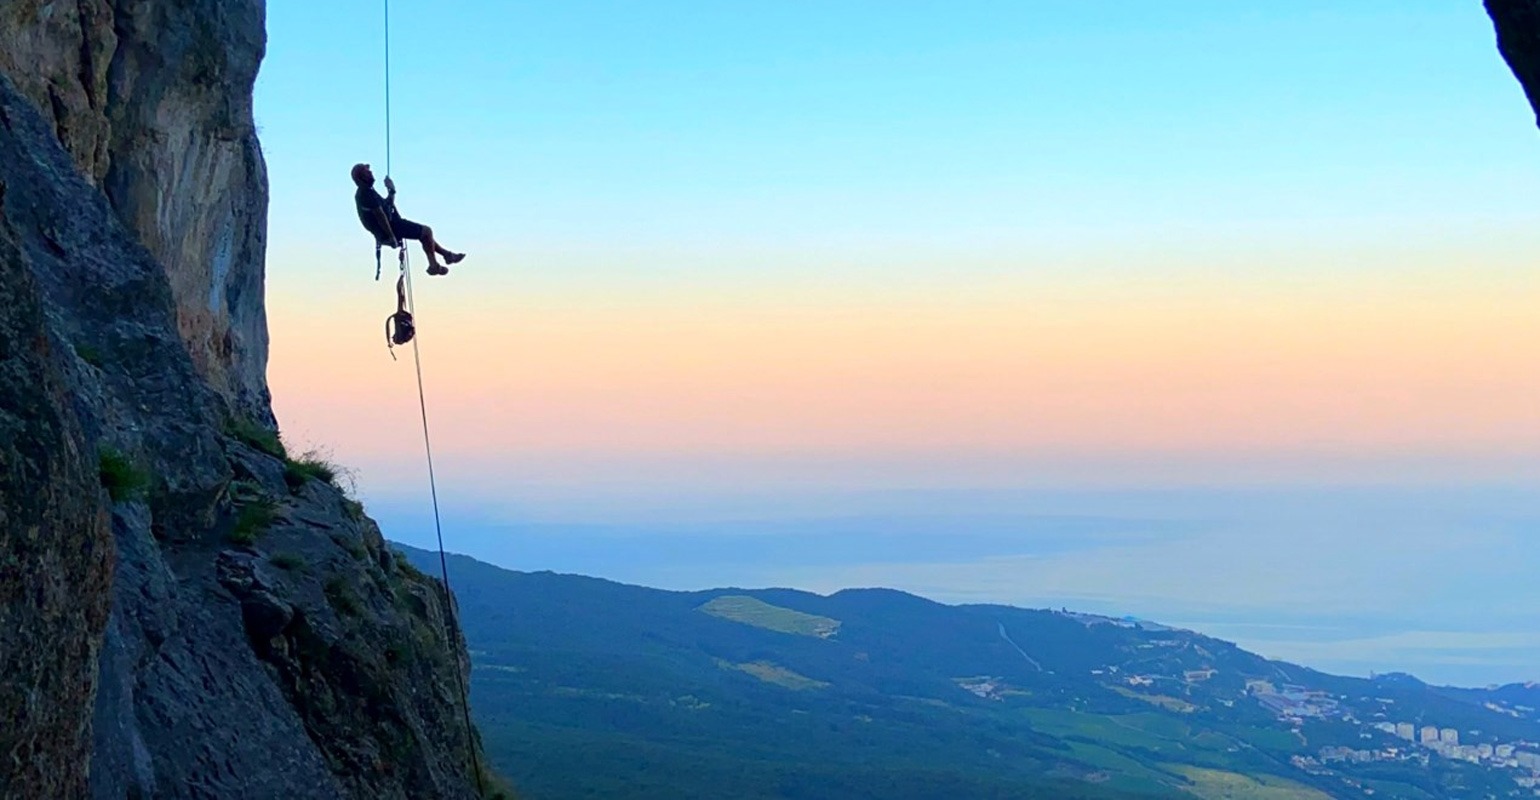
(585, 688)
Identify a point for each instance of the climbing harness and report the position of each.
(390, 211)
(405, 330)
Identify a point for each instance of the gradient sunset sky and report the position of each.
(877, 244)
(1219, 313)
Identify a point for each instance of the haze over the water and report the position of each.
(1220, 314)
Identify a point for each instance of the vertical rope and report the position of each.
(443, 562)
(387, 88)
(451, 622)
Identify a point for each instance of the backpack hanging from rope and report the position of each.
(399, 328)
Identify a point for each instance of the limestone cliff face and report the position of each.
(152, 98)
(185, 611)
(1518, 39)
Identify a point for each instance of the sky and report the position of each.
(823, 294)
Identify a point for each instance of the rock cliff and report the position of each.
(1518, 39)
(185, 609)
(152, 99)
(54, 550)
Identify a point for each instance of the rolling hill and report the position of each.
(585, 688)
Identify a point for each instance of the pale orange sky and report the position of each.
(1227, 362)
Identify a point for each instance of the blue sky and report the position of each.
(698, 127)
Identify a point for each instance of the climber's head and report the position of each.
(362, 176)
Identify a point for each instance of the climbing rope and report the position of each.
(387, 88)
(451, 625)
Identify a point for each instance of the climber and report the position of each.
(379, 216)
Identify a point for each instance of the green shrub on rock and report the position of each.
(119, 476)
(252, 520)
(255, 436)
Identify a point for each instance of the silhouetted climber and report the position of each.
(379, 216)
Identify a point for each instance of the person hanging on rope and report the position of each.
(379, 217)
